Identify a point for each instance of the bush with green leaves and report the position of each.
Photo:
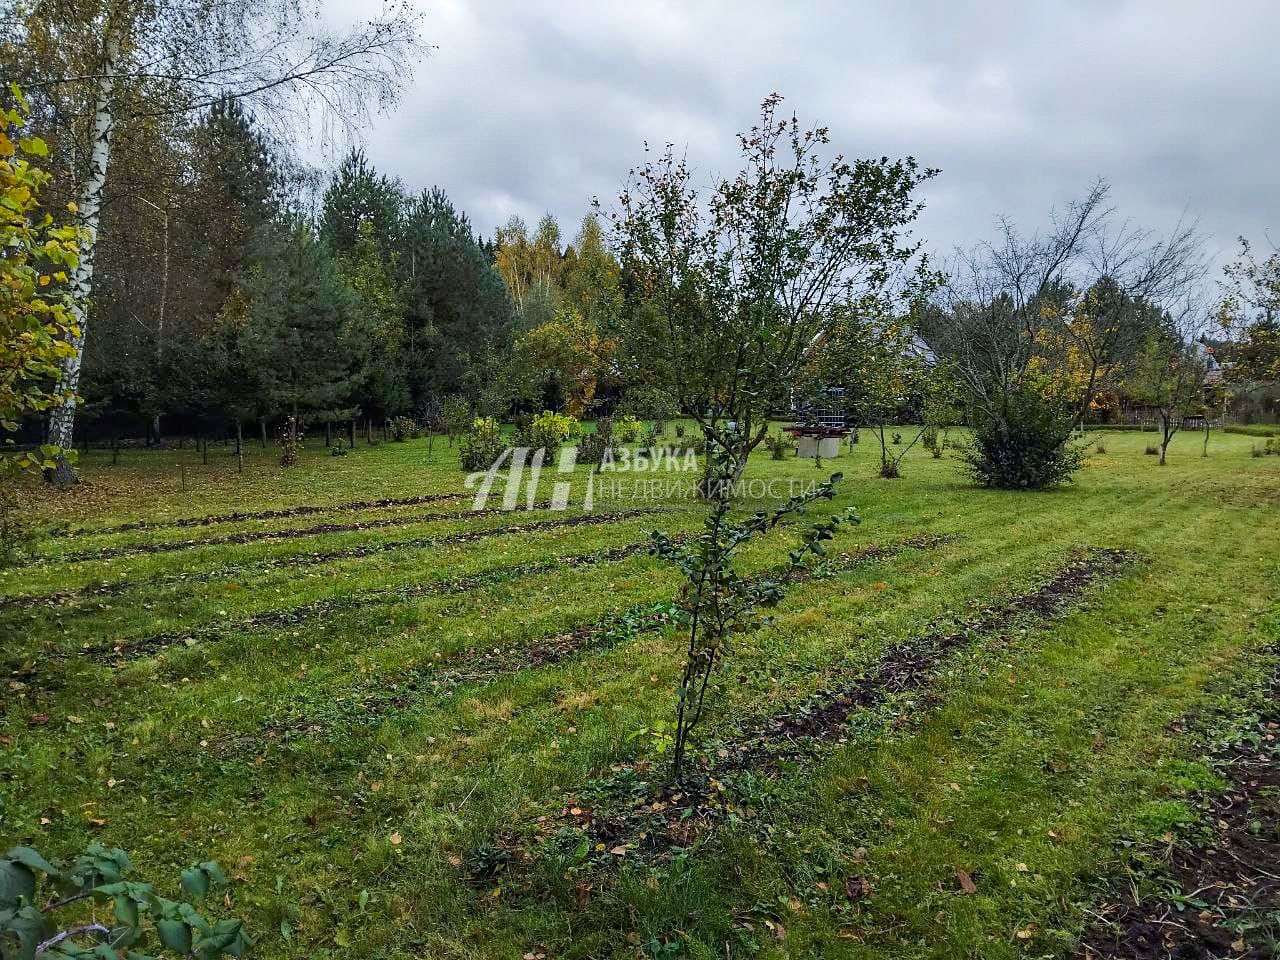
(55, 911)
(779, 445)
(455, 417)
(481, 445)
(403, 428)
(627, 429)
(593, 446)
(648, 403)
(1028, 446)
(547, 431)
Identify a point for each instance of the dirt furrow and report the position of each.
(1218, 892)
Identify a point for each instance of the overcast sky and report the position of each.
(527, 106)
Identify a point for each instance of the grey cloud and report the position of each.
(540, 105)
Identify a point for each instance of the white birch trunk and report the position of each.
(62, 418)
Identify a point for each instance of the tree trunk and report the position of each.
(239, 447)
(263, 422)
(351, 435)
(63, 416)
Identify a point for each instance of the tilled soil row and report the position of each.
(1220, 892)
(301, 510)
(326, 556)
(633, 811)
(262, 536)
(481, 665)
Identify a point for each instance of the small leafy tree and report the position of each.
(715, 601)
(1250, 314)
(455, 417)
(648, 403)
(729, 289)
(1169, 377)
(142, 924)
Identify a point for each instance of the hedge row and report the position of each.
(1256, 429)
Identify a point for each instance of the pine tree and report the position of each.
(306, 325)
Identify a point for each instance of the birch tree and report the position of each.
(184, 56)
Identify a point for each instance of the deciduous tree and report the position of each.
(730, 288)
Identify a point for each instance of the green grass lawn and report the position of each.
(352, 710)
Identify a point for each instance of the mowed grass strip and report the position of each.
(344, 553)
(242, 516)
(370, 579)
(636, 814)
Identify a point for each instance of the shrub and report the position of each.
(338, 451)
(936, 451)
(1256, 451)
(679, 431)
(897, 439)
(547, 431)
(1100, 449)
(626, 429)
(1273, 447)
(403, 428)
(1254, 430)
(889, 469)
(929, 436)
(1152, 450)
(145, 924)
(455, 417)
(648, 403)
(481, 445)
(592, 446)
(779, 445)
(1028, 448)
(290, 441)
